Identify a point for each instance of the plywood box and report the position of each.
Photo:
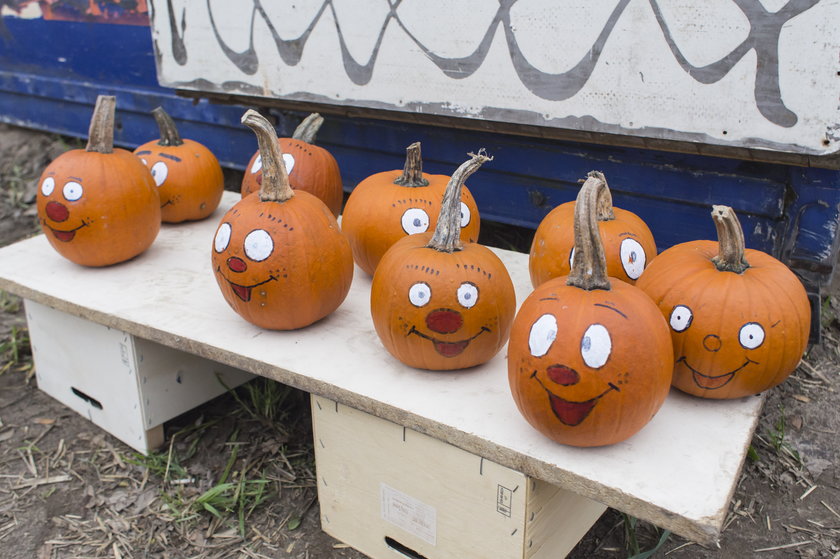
(126, 385)
(392, 492)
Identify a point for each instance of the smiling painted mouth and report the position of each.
(568, 412)
(243, 291)
(65, 236)
(448, 349)
(712, 382)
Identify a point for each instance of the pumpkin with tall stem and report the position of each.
(278, 255)
(438, 303)
(589, 358)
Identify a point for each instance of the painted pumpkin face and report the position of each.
(311, 168)
(282, 265)
(628, 245)
(579, 370)
(379, 213)
(188, 176)
(734, 335)
(98, 209)
(441, 311)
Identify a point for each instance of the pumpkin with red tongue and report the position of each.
(279, 257)
(589, 358)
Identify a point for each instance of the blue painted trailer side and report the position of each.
(52, 71)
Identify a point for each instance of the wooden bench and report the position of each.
(409, 460)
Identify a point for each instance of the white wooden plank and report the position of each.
(678, 472)
(723, 73)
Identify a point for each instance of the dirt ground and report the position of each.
(236, 476)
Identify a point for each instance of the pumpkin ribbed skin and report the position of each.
(623, 237)
(712, 354)
(98, 206)
(563, 397)
(304, 278)
(375, 213)
(442, 334)
(192, 183)
(314, 170)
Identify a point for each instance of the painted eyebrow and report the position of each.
(144, 152)
(549, 299)
(172, 157)
(627, 234)
(611, 308)
(77, 179)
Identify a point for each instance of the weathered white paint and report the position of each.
(531, 67)
(678, 472)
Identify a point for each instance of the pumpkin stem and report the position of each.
(308, 128)
(169, 135)
(731, 245)
(447, 236)
(412, 174)
(275, 185)
(589, 269)
(101, 131)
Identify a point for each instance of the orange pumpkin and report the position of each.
(437, 303)
(188, 175)
(310, 168)
(99, 205)
(589, 358)
(628, 242)
(279, 257)
(387, 206)
(739, 318)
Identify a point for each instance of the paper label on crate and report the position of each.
(408, 513)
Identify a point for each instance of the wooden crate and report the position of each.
(126, 385)
(389, 491)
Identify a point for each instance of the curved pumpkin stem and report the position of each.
(169, 135)
(589, 269)
(275, 185)
(447, 236)
(308, 128)
(101, 131)
(731, 245)
(412, 174)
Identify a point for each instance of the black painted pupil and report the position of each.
(467, 296)
(417, 222)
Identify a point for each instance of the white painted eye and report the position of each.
(289, 160)
(415, 220)
(257, 166)
(48, 186)
(542, 335)
(572, 258)
(159, 172)
(595, 346)
(222, 240)
(681, 318)
(465, 215)
(467, 294)
(420, 294)
(73, 191)
(751, 335)
(633, 258)
(258, 245)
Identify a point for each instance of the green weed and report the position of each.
(15, 350)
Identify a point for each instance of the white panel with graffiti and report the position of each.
(748, 73)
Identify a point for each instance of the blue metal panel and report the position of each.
(52, 71)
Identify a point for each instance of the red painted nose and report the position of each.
(444, 321)
(236, 264)
(57, 212)
(259, 179)
(563, 375)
